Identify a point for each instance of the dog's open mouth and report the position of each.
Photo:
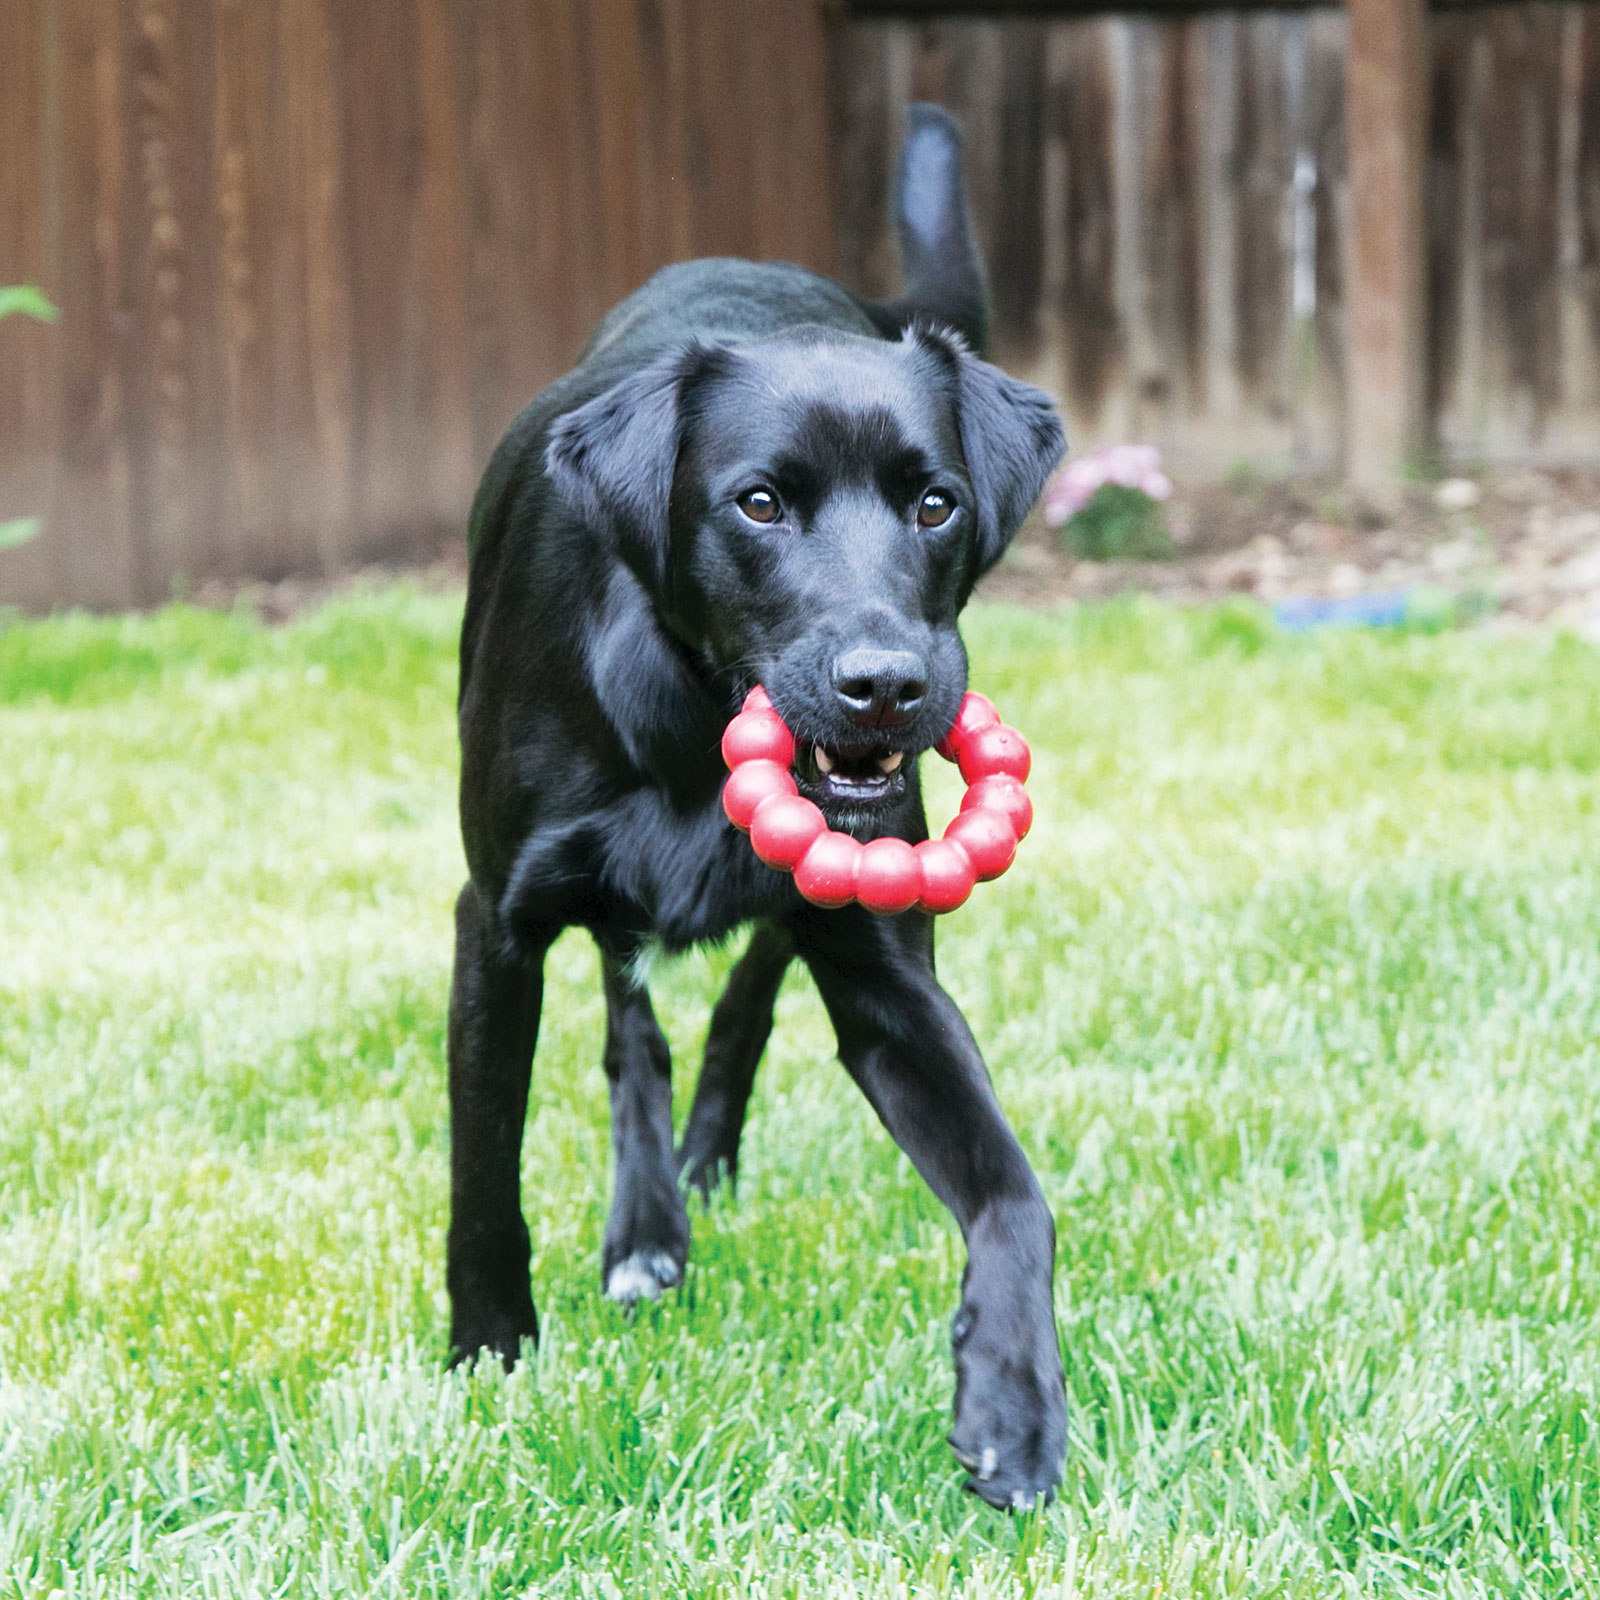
(845, 774)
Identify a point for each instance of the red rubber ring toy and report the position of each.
(833, 869)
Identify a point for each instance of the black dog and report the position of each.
(750, 477)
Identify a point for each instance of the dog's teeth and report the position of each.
(891, 763)
(824, 760)
(988, 1462)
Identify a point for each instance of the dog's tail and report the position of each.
(945, 282)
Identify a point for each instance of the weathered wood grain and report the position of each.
(1144, 248)
(29, 138)
(313, 255)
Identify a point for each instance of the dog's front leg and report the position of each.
(495, 998)
(647, 1236)
(910, 1050)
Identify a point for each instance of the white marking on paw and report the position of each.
(988, 1462)
(641, 1276)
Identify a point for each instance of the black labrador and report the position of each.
(750, 477)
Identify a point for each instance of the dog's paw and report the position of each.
(1011, 1413)
(1027, 1490)
(642, 1276)
(499, 1335)
(706, 1169)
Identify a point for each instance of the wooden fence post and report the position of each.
(1385, 392)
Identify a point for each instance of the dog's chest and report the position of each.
(688, 876)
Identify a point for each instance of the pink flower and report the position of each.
(1127, 464)
(1131, 466)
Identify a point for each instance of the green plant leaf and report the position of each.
(1119, 524)
(19, 530)
(24, 300)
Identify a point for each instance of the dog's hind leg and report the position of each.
(740, 1027)
(647, 1236)
(495, 998)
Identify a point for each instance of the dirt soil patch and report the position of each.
(1510, 551)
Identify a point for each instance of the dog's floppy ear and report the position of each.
(612, 459)
(1011, 437)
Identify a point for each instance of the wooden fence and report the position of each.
(313, 254)
(1165, 210)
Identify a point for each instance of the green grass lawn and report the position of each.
(1293, 996)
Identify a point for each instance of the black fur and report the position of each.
(619, 606)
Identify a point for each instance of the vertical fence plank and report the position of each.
(93, 539)
(1019, 175)
(567, 275)
(172, 405)
(1092, 312)
(1387, 129)
(858, 107)
(322, 389)
(806, 164)
(1325, 116)
(382, 156)
(442, 429)
(1519, 232)
(1181, 248)
(1048, 367)
(1583, 400)
(1128, 40)
(1262, 306)
(1456, 292)
(610, 112)
(1219, 189)
(500, 215)
(29, 351)
(725, 212)
(1167, 222)
(246, 518)
(666, 217)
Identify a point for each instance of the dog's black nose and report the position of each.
(880, 688)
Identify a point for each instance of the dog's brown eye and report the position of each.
(934, 509)
(760, 505)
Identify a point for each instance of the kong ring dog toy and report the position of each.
(831, 868)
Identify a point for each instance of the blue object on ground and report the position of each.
(1386, 610)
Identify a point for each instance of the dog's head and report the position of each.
(811, 512)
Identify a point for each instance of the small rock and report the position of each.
(1581, 575)
(1455, 556)
(1524, 488)
(1457, 494)
(1574, 535)
(1316, 538)
(1346, 579)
